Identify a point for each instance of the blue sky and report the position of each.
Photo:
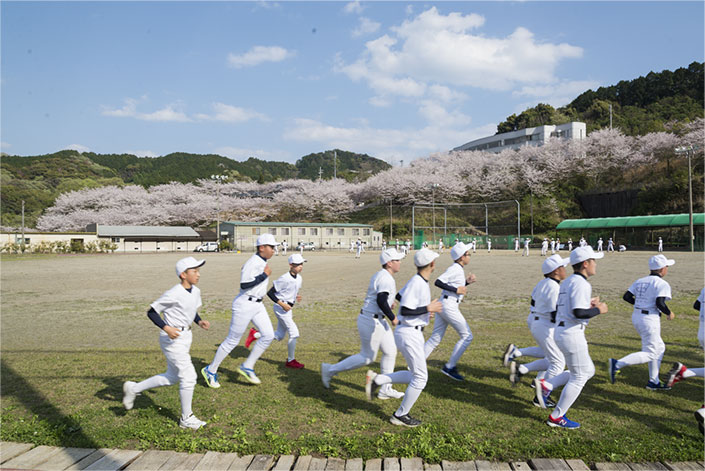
(279, 80)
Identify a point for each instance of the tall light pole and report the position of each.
(688, 151)
(218, 179)
(433, 209)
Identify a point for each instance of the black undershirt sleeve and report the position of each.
(629, 297)
(258, 279)
(197, 319)
(398, 297)
(696, 306)
(586, 313)
(383, 303)
(272, 294)
(419, 311)
(661, 305)
(533, 303)
(156, 318)
(445, 286)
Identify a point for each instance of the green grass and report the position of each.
(72, 397)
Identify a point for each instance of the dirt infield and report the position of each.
(99, 301)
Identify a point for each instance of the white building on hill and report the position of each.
(526, 137)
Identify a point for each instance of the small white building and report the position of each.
(526, 137)
(326, 236)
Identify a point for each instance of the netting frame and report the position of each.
(444, 208)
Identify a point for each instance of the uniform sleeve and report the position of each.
(663, 290)
(580, 298)
(164, 302)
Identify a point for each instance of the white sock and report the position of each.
(291, 347)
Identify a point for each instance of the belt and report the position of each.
(445, 296)
(183, 328)
(562, 324)
(253, 299)
(644, 311)
(379, 317)
(419, 327)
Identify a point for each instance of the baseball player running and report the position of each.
(415, 308)
(454, 284)
(285, 293)
(180, 307)
(373, 325)
(575, 307)
(247, 307)
(679, 371)
(648, 295)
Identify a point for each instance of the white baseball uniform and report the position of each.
(646, 319)
(449, 281)
(543, 312)
(180, 309)
(660, 244)
(247, 307)
(489, 245)
(574, 300)
(526, 248)
(374, 329)
(516, 245)
(610, 245)
(413, 318)
(286, 288)
(599, 244)
(544, 247)
(553, 246)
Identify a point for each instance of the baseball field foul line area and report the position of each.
(75, 328)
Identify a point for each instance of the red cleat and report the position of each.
(675, 374)
(294, 364)
(251, 337)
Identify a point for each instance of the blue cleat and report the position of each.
(562, 422)
(612, 369)
(657, 386)
(452, 373)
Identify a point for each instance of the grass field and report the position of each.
(74, 328)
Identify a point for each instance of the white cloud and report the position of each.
(231, 114)
(237, 153)
(353, 7)
(385, 143)
(143, 153)
(258, 55)
(444, 50)
(78, 147)
(366, 26)
(169, 113)
(559, 93)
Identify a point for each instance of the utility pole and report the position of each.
(335, 164)
(22, 226)
(610, 116)
(320, 173)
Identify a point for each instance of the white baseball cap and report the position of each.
(584, 253)
(659, 261)
(553, 262)
(296, 259)
(424, 256)
(458, 250)
(389, 255)
(186, 263)
(266, 239)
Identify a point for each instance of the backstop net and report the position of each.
(496, 221)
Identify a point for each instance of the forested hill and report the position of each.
(38, 180)
(640, 106)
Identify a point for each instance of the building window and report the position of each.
(18, 240)
(255, 231)
(366, 232)
(341, 232)
(329, 231)
(285, 231)
(273, 230)
(356, 232)
(314, 231)
(301, 231)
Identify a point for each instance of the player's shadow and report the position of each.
(475, 388)
(113, 392)
(225, 373)
(306, 382)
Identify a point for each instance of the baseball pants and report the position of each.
(375, 334)
(410, 342)
(450, 315)
(179, 369)
(652, 347)
(701, 333)
(542, 329)
(285, 323)
(244, 312)
(572, 343)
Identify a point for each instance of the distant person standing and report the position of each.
(544, 247)
(599, 244)
(610, 245)
(440, 245)
(660, 244)
(570, 244)
(527, 241)
(516, 244)
(489, 245)
(553, 247)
